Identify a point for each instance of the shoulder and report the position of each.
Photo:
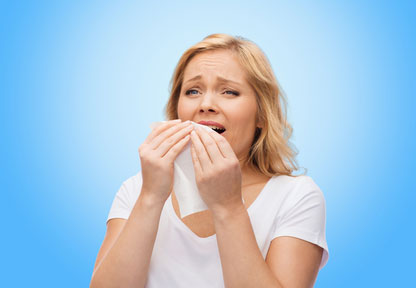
(292, 190)
(293, 181)
(134, 182)
(125, 197)
(130, 188)
(302, 212)
(299, 184)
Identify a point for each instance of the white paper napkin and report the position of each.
(184, 183)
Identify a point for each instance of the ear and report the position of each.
(259, 121)
(260, 124)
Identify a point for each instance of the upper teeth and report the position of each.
(214, 127)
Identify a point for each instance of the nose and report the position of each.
(208, 104)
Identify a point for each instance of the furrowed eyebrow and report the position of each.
(220, 79)
(197, 77)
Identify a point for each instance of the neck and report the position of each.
(251, 176)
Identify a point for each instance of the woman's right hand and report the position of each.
(157, 154)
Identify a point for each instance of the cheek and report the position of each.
(244, 125)
(184, 108)
(245, 116)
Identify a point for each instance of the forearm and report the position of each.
(241, 259)
(127, 262)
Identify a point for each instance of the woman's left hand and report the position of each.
(217, 170)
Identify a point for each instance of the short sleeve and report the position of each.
(305, 218)
(125, 198)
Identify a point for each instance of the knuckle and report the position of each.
(142, 153)
(158, 130)
(147, 156)
(210, 143)
(199, 149)
(174, 149)
(144, 158)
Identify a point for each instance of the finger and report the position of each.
(159, 129)
(162, 137)
(200, 151)
(210, 144)
(176, 149)
(195, 160)
(168, 143)
(223, 145)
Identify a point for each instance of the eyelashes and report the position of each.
(229, 92)
(189, 92)
(232, 92)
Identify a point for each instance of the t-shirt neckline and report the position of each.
(179, 222)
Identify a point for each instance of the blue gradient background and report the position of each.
(82, 81)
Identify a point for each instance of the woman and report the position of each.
(275, 237)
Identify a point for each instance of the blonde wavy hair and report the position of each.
(271, 152)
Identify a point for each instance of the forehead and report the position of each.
(222, 63)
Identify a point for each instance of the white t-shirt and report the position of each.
(287, 206)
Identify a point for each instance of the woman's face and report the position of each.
(215, 89)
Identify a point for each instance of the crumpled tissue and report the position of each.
(184, 183)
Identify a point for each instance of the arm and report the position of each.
(126, 263)
(218, 176)
(242, 262)
(295, 262)
(290, 262)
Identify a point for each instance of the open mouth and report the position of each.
(218, 130)
(217, 127)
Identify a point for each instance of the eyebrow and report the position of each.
(220, 79)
